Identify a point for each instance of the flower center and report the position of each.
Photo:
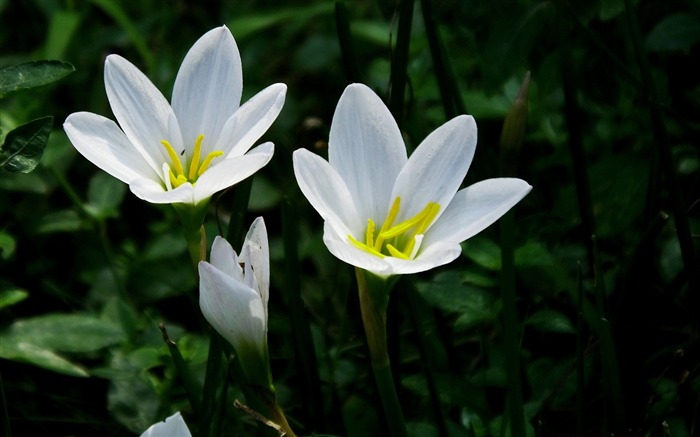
(406, 235)
(175, 175)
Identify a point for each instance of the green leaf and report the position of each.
(551, 321)
(32, 74)
(12, 297)
(677, 32)
(252, 23)
(39, 356)
(66, 220)
(264, 195)
(483, 252)
(24, 146)
(63, 333)
(8, 244)
(448, 292)
(62, 29)
(105, 194)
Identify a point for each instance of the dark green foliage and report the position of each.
(88, 271)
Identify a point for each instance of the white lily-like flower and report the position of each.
(233, 295)
(390, 214)
(186, 152)
(173, 426)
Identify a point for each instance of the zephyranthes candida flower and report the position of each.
(233, 294)
(173, 426)
(390, 214)
(186, 152)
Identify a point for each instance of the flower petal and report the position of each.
(224, 258)
(141, 110)
(231, 171)
(476, 207)
(327, 193)
(437, 167)
(233, 309)
(100, 140)
(429, 257)
(173, 426)
(259, 258)
(208, 86)
(251, 120)
(151, 191)
(367, 150)
(343, 250)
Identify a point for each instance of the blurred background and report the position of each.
(607, 327)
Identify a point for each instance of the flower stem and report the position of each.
(374, 299)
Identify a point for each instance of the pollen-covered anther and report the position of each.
(407, 234)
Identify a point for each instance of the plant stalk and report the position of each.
(374, 299)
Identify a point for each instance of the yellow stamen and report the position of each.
(173, 157)
(393, 212)
(208, 160)
(173, 179)
(434, 208)
(369, 235)
(364, 247)
(195, 157)
(176, 173)
(396, 253)
(404, 226)
(407, 233)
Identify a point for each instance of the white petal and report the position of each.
(230, 171)
(143, 113)
(367, 150)
(208, 86)
(224, 258)
(233, 309)
(100, 140)
(173, 426)
(429, 257)
(437, 167)
(259, 258)
(476, 207)
(327, 193)
(152, 191)
(342, 249)
(251, 121)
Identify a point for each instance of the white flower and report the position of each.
(173, 426)
(186, 152)
(233, 295)
(390, 214)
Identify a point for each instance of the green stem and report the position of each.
(239, 207)
(442, 70)
(580, 375)
(347, 50)
(399, 63)
(374, 299)
(678, 205)
(192, 219)
(414, 302)
(264, 402)
(212, 381)
(573, 116)
(301, 329)
(511, 329)
(188, 382)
